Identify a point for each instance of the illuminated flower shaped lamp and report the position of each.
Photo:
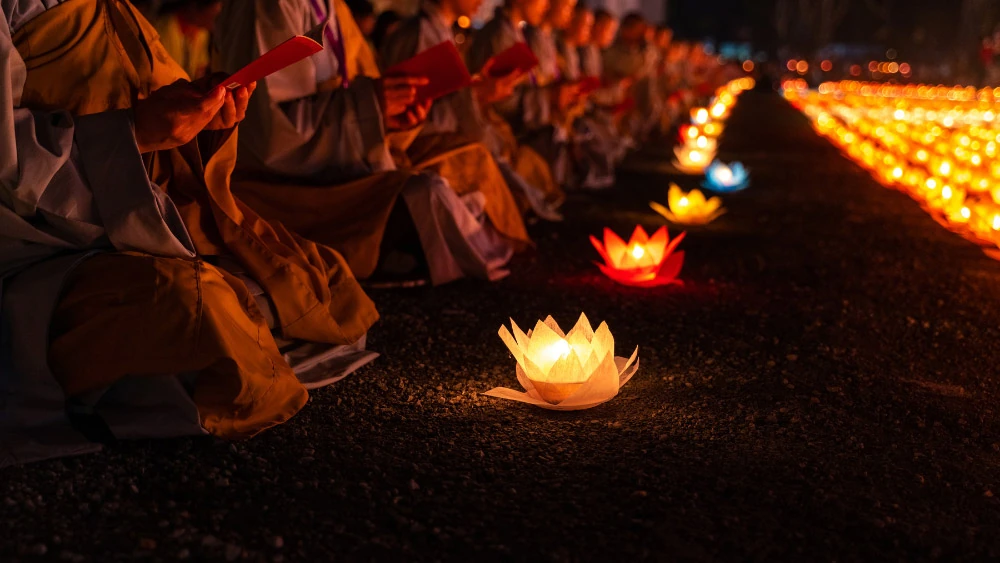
(723, 178)
(565, 372)
(689, 208)
(645, 261)
(699, 116)
(703, 144)
(692, 160)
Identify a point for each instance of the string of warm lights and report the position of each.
(936, 144)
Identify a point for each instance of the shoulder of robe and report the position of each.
(280, 18)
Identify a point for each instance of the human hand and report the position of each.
(173, 115)
(398, 93)
(567, 95)
(413, 116)
(234, 109)
(490, 89)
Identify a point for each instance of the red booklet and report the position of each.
(517, 57)
(443, 67)
(589, 84)
(624, 107)
(286, 54)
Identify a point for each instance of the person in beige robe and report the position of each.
(321, 142)
(458, 118)
(131, 283)
(533, 111)
(592, 153)
(631, 58)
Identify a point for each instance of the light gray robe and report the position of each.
(458, 114)
(336, 136)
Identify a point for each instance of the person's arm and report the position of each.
(68, 182)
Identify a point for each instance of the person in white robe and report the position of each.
(533, 111)
(592, 149)
(76, 200)
(315, 148)
(631, 58)
(459, 116)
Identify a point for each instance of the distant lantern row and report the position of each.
(891, 67)
(939, 145)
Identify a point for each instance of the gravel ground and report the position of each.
(822, 388)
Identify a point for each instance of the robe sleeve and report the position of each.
(70, 182)
(292, 127)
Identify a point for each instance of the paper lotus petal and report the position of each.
(644, 261)
(691, 159)
(566, 372)
(723, 178)
(689, 208)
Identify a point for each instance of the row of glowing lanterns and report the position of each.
(890, 67)
(948, 168)
(578, 369)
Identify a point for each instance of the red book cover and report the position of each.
(589, 84)
(517, 57)
(626, 106)
(286, 54)
(443, 67)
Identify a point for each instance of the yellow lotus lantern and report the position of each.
(565, 372)
(699, 116)
(704, 144)
(689, 208)
(692, 159)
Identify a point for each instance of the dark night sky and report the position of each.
(752, 20)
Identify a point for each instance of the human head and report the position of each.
(199, 13)
(533, 11)
(580, 27)
(605, 27)
(664, 35)
(467, 8)
(560, 13)
(633, 29)
(385, 25)
(364, 15)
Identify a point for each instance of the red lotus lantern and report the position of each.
(645, 261)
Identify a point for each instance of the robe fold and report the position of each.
(96, 257)
(315, 154)
(457, 120)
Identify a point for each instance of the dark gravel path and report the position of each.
(822, 388)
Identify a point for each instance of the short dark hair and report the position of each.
(382, 25)
(602, 14)
(360, 8)
(633, 18)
